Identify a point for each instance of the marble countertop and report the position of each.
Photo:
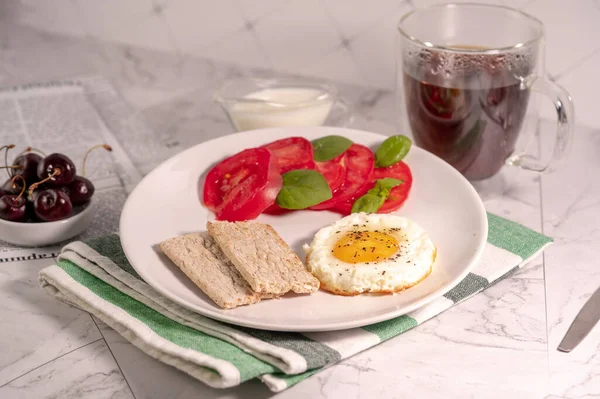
(501, 343)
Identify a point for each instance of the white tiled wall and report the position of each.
(346, 40)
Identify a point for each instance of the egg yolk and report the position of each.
(365, 246)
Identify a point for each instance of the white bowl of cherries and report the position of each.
(44, 201)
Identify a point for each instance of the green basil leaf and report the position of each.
(303, 188)
(375, 197)
(392, 150)
(328, 147)
(374, 191)
(387, 183)
(368, 203)
(383, 186)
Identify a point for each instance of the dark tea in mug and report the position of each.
(468, 108)
(464, 78)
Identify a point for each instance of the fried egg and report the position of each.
(370, 253)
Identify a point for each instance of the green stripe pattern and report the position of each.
(316, 354)
(183, 336)
(390, 328)
(110, 247)
(514, 237)
(471, 285)
(507, 235)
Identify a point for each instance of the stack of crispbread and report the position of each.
(239, 263)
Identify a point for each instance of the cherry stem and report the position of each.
(22, 189)
(7, 147)
(31, 149)
(11, 167)
(105, 146)
(35, 185)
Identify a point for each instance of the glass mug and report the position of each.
(464, 77)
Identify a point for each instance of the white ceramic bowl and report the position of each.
(42, 234)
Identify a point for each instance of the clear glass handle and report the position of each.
(565, 120)
(341, 114)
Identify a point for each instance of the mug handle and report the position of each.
(565, 113)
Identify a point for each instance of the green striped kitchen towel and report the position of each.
(95, 276)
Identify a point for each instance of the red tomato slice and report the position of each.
(242, 186)
(398, 194)
(334, 171)
(292, 153)
(359, 171)
(276, 210)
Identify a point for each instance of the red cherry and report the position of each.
(12, 187)
(57, 168)
(80, 191)
(26, 165)
(51, 205)
(14, 207)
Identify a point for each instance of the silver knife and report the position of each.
(584, 322)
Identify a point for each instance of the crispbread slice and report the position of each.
(200, 258)
(265, 261)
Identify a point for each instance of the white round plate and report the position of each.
(166, 203)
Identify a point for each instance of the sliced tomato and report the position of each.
(359, 170)
(241, 187)
(334, 171)
(276, 210)
(398, 194)
(292, 153)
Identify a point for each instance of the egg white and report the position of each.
(411, 264)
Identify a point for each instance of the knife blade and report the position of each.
(585, 320)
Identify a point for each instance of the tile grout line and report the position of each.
(539, 145)
(344, 44)
(50, 361)
(221, 39)
(113, 356)
(138, 18)
(373, 25)
(344, 41)
(574, 66)
(546, 311)
(171, 35)
(541, 192)
(251, 22)
(333, 21)
(242, 29)
(347, 41)
(246, 17)
(262, 49)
